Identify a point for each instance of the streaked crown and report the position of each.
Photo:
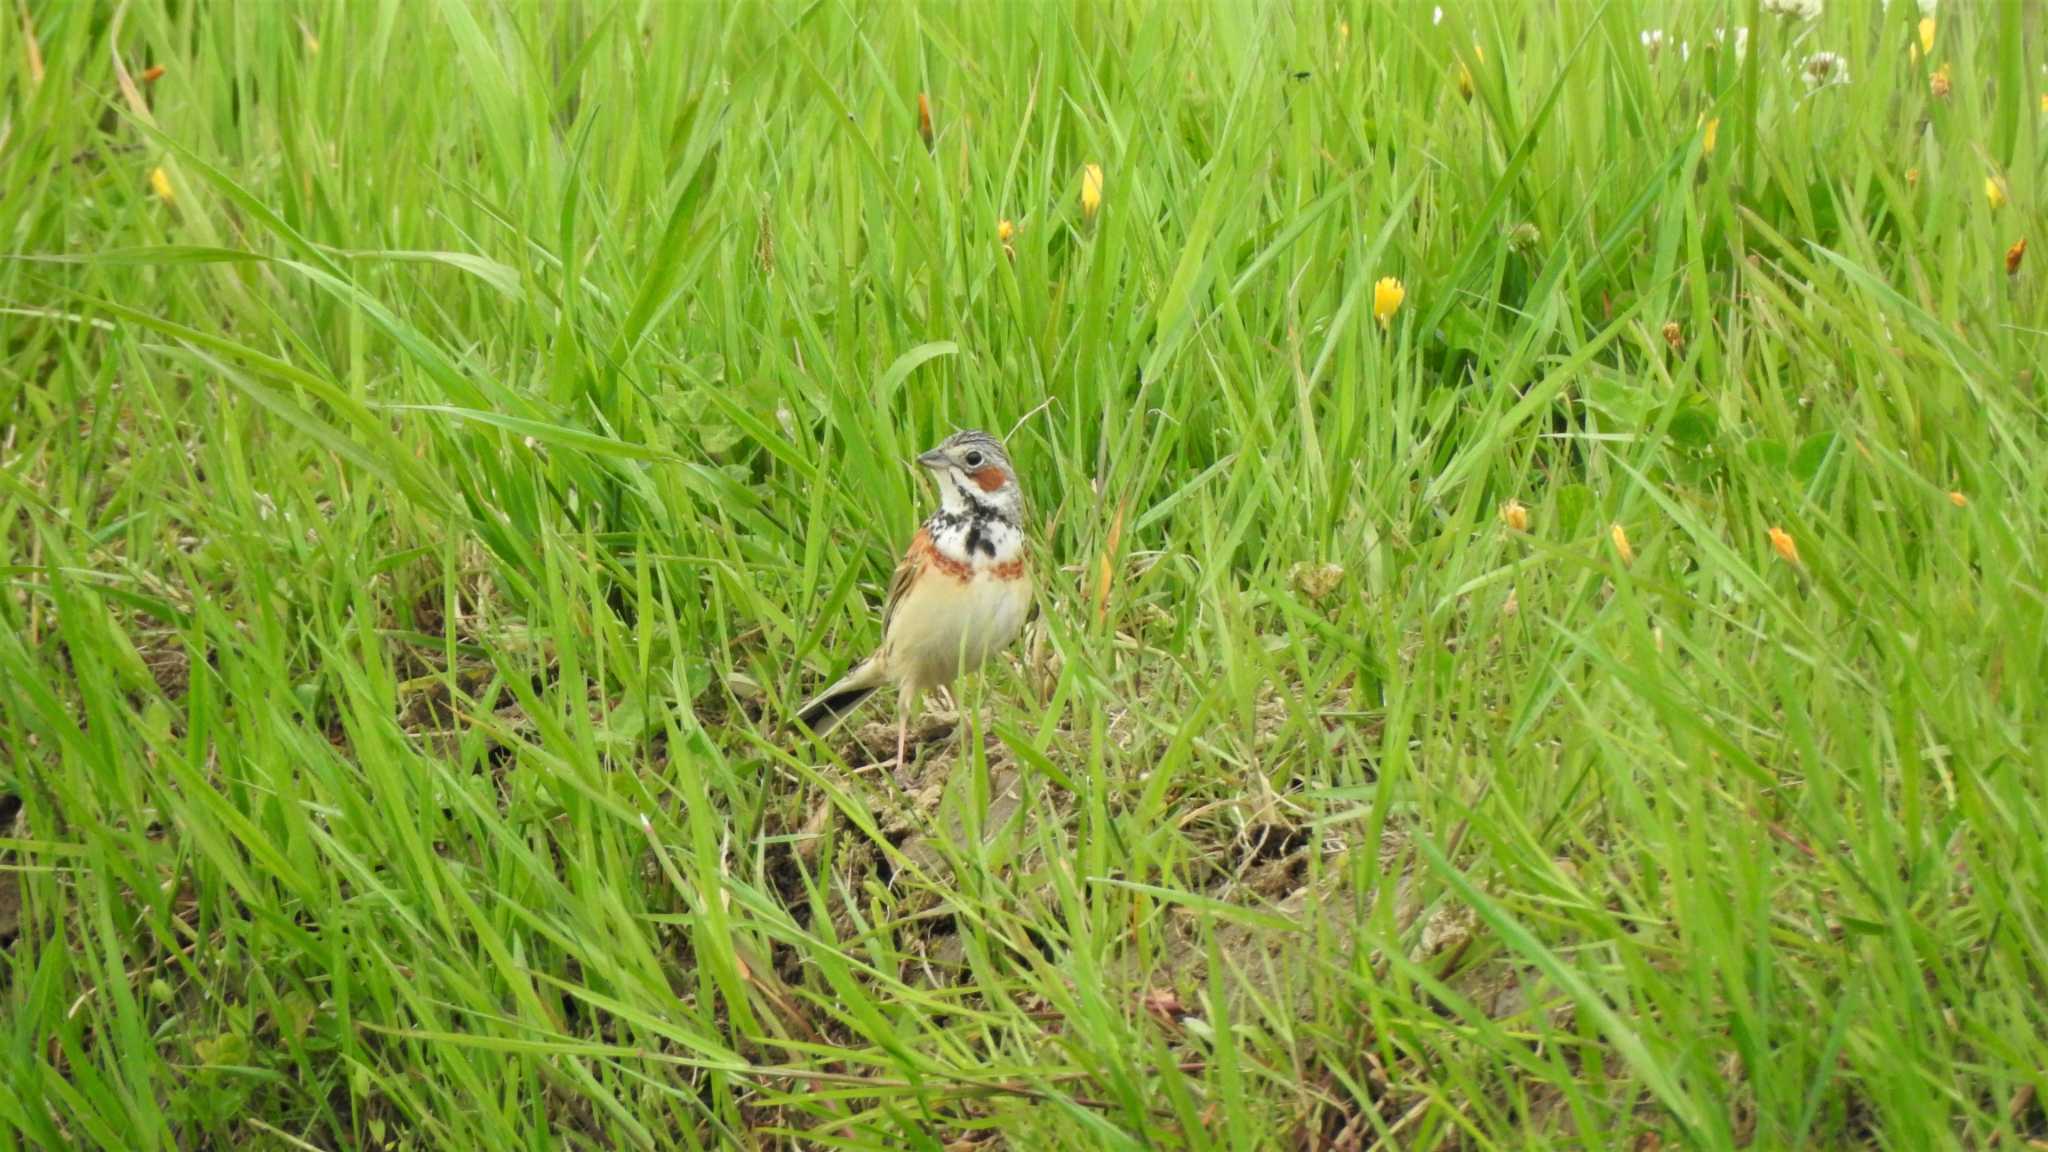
(971, 449)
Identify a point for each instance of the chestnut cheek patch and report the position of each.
(988, 479)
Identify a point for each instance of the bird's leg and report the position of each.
(905, 706)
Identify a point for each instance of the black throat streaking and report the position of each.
(979, 517)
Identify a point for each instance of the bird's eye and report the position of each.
(972, 459)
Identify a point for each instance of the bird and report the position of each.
(960, 594)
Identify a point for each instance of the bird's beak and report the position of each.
(933, 459)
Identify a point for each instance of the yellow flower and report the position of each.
(1912, 177)
(1927, 34)
(1386, 300)
(1005, 230)
(1621, 548)
(1938, 84)
(1994, 191)
(1344, 31)
(1515, 516)
(1708, 139)
(160, 183)
(1786, 547)
(2044, 103)
(1958, 499)
(1091, 190)
(1465, 74)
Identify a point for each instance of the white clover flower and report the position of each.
(1653, 41)
(1823, 69)
(1798, 9)
(1741, 39)
(1437, 16)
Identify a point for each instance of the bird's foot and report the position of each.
(904, 777)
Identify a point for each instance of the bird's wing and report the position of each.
(907, 569)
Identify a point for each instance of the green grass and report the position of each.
(418, 526)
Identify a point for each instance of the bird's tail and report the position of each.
(828, 708)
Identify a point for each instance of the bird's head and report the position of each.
(973, 470)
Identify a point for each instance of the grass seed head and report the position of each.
(2014, 255)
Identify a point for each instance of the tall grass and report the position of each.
(1600, 706)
